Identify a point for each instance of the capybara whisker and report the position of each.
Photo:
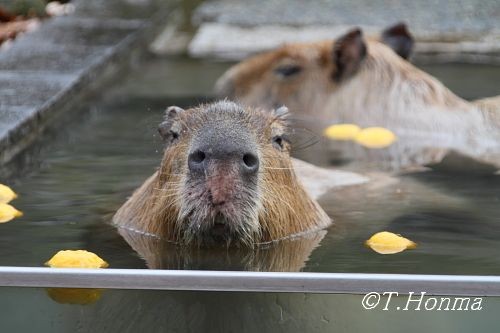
(225, 179)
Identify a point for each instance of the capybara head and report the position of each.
(302, 76)
(225, 178)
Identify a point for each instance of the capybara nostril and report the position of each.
(250, 163)
(196, 161)
(210, 188)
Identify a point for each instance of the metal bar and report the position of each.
(345, 283)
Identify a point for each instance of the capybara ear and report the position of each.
(165, 128)
(348, 54)
(281, 112)
(399, 38)
(172, 112)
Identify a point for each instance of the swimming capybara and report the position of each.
(367, 82)
(226, 177)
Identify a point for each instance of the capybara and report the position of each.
(226, 177)
(365, 82)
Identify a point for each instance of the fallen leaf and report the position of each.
(375, 137)
(76, 259)
(6, 194)
(342, 132)
(7, 213)
(388, 243)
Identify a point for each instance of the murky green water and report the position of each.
(163, 311)
(81, 173)
(73, 181)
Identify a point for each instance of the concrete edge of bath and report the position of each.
(457, 31)
(333, 283)
(239, 42)
(46, 72)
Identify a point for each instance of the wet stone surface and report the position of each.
(28, 89)
(11, 115)
(447, 16)
(40, 56)
(62, 58)
(124, 9)
(446, 30)
(74, 31)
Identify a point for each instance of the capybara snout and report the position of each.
(225, 178)
(233, 147)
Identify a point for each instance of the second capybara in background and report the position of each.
(367, 82)
(303, 76)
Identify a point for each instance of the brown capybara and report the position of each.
(365, 82)
(303, 76)
(226, 177)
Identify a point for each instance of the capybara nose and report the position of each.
(200, 160)
(197, 161)
(250, 163)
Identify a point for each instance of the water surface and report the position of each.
(84, 170)
(179, 311)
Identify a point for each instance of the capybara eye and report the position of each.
(287, 70)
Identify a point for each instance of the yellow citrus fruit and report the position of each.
(342, 131)
(375, 137)
(6, 194)
(76, 259)
(7, 213)
(388, 243)
(79, 296)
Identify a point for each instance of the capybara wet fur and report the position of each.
(226, 178)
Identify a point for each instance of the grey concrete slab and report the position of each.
(45, 72)
(17, 123)
(446, 30)
(125, 9)
(28, 89)
(446, 16)
(11, 115)
(83, 31)
(27, 55)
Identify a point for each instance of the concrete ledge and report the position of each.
(47, 71)
(234, 42)
(231, 42)
(444, 29)
(450, 17)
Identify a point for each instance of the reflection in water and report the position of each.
(80, 296)
(81, 173)
(452, 219)
(154, 311)
(283, 256)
